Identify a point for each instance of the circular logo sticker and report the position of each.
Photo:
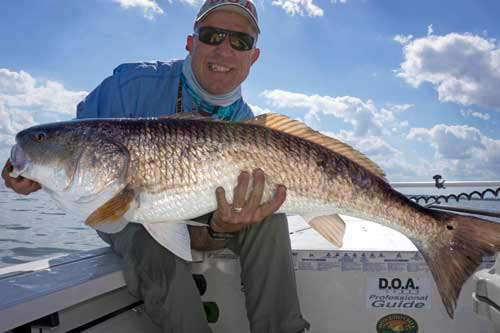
(397, 322)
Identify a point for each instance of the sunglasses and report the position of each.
(214, 36)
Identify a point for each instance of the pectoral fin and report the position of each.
(112, 210)
(112, 228)
(332, 227)
(173, 236)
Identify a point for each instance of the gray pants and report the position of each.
(172, 300)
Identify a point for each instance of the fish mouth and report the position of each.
(19, 161)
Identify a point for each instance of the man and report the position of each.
(221, 53)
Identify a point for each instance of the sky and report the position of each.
(414, 85)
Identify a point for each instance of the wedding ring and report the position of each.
(237, 210)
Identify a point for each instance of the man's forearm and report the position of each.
(201, 240)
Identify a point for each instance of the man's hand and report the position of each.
(19, 185)
(242, 212)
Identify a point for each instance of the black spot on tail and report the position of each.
(454, 256)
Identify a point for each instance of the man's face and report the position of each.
(220, 68)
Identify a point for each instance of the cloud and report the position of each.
(12, 83)
(461, 151)
(471, 113)
(389, 158)
(401, 107)
(364, 116)
(257, 110)
(299, 7)
(193, 3)
(149, 7)
(464, 68)
(13, 121)
(430, 30)
(26, 101)
(402, 39)
(21, 90)
(450, 142)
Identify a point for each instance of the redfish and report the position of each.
(164, 172)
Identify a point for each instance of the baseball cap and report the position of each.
(244, 7)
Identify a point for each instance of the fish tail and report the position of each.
(455, 254)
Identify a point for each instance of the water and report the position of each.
(33, 227)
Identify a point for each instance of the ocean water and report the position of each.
(33, 227)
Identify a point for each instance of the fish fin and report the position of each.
(189, 116)
(331, 227)
(112, 228)
(113, 209)
(111, 153)
(454, 254)
(294, 127)
(174, 236)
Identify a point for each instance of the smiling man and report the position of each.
(222, 50)
(222, 69)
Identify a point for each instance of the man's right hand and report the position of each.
(20, 185)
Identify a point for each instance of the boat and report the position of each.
(377, 282)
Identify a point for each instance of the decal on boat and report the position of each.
(397, 322)
(359, 261)
(399, 293)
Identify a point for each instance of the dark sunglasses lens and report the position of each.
(241, 41)
(211, 36)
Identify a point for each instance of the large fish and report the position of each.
(154, 171)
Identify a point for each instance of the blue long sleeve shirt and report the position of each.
(147, 89)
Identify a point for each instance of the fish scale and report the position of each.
(317, 173)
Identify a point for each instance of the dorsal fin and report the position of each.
(188, 115)
(294, 127)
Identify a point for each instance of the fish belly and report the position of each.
(182, 203)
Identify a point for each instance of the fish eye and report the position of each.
(40, 136)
